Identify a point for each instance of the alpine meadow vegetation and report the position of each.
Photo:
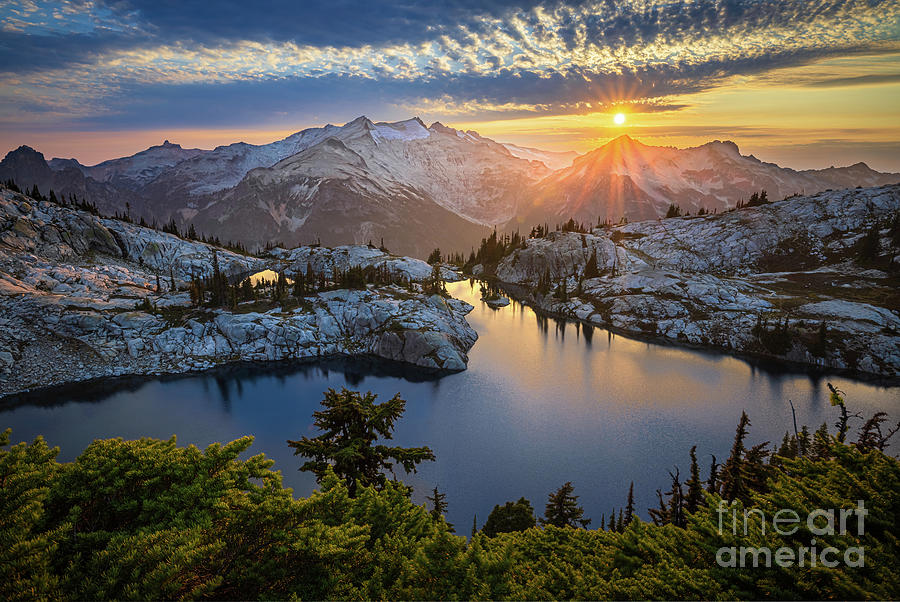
(149, 519)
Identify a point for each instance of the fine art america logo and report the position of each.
(819, 522)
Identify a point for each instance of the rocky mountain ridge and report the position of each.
(626, 178)
(415, 186)
(792, 280)
(76, 293)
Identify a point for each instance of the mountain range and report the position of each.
(417, 187)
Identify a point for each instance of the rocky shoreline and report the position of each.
(762, 359)
(83, 298)
(778, 282)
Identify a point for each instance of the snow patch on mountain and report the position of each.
(553, 160)
(411, 129)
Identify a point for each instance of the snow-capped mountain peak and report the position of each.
(411, 129)
(417, 186)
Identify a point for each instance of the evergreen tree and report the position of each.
(837, 399)
(629, 508)
(712, 483)
(754, 470)
(821, 444)
(673, 211)
(660, 514)
(299, 289)
(563, 510)
(676, 500)
(217, 285)
(350, 425)
(439, 503)
(787, 449)
(871, 436)
(544, 283)
(509, 518)
(694, 485)
(869, 246)
(149, 519)
(733, 486)
(434, 285)
(804, 442)
(435, 257)
(279, 293)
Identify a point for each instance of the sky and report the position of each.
(802, 83)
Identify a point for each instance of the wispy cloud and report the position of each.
(539, 58)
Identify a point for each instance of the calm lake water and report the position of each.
(541, 403)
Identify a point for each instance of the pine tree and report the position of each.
(511, 517)
(803, 443)
(837, 399)
(659, 515)
(754, 470)
(869, 246)
(629, 508)
(821, 443)
(439, 503)
(733, 486)
(676, 500)
(351, 423)
(434, 285)
(279, 292)
(544, 283)
(712, 483)
(787, 449)
(247, 292)
(562, 509)
(694, 485)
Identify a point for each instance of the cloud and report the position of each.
(104, 61)
(859, 80)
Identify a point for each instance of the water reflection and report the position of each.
(536, 408)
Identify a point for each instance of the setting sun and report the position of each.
(619, 118)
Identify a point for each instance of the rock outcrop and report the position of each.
(783, 280)
(83, 297)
